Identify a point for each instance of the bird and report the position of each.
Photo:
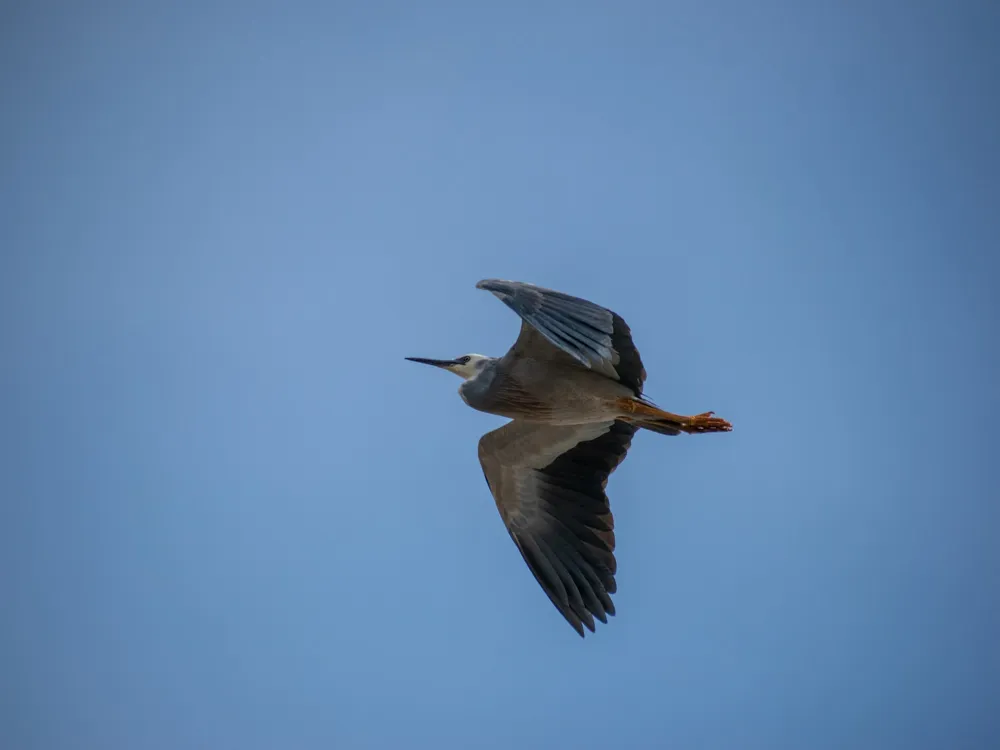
(572, 386)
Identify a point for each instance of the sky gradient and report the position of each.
(234, 517)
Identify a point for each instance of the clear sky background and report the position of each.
(233, 517)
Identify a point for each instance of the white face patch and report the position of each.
(471, 368)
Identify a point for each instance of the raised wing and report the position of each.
(549, 485)
(595, 337)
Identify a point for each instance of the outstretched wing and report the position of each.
(549, 485)
(597, 338)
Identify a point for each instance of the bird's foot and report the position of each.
(704, 422)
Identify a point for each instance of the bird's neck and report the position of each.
(474, 390)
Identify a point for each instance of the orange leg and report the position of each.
(703, 422)
(696, 424)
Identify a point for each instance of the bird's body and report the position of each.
(572, 384)
(537, 391)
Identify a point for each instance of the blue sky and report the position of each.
(234, 517)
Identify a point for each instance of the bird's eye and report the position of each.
(464, 360)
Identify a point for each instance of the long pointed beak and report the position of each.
(442, 363)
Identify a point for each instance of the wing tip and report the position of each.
(497, 286)
(579, 624)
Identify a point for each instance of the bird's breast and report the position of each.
(542, 392)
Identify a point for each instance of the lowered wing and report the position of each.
(549, 485)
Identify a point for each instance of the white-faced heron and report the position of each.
(572, 384)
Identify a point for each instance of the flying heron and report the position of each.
(572, 386)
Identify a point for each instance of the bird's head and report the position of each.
(467, 366)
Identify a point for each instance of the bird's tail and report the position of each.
(644, 414)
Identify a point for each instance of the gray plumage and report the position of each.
(572, 384)
(548, 482)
